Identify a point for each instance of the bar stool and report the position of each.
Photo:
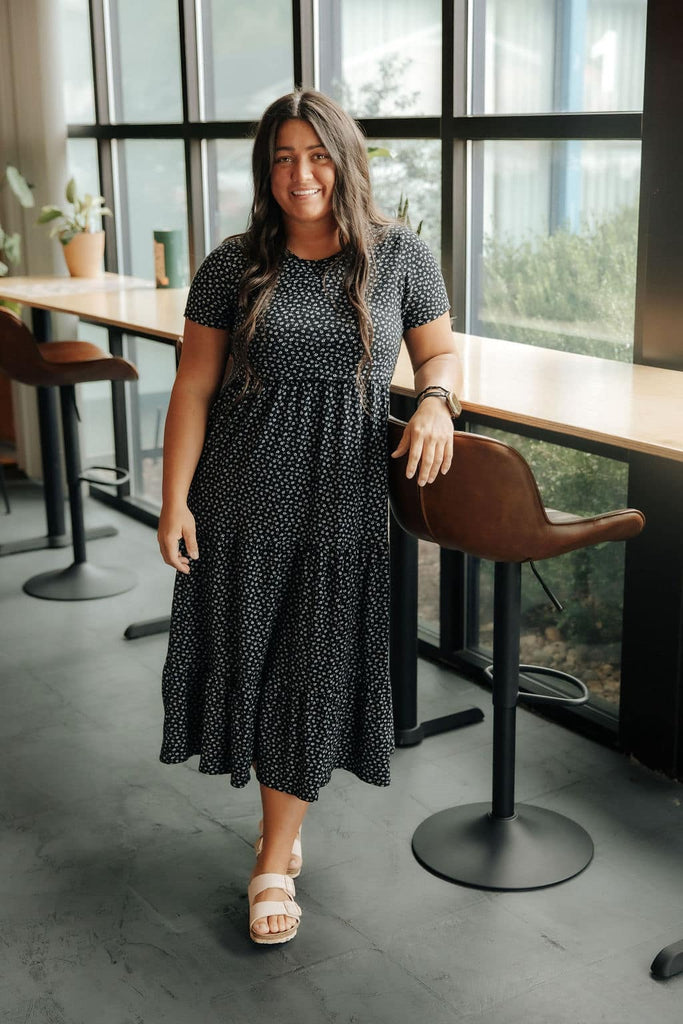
(64, 364)
(488, 505)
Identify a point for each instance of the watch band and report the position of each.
(450, 397)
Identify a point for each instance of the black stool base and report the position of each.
(669, 961)
(534, 849)
(62, 540)
(81, 581)
(147, 627)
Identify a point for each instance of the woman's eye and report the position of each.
(323, 156)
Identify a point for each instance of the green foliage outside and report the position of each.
(577, 287)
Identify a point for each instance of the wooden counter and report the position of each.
(639, 408)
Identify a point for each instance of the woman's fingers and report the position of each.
(190, 536)
(430, 452)
(170, 534)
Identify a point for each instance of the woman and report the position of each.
(275, 486)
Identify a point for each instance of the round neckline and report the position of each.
(321, 259)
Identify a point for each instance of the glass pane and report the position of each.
(383, 58)
(533, 56)
(584, 639)
(83, 166)
(148, 402)
(145, 43)
(153, 198)
(230, 187)
(96, 431)
(412, 173)
(428, 575)
(248, 57)
(554, 240)
(73, 24)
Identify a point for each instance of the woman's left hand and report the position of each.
(428, 435)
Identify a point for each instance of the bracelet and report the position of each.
(435, 388)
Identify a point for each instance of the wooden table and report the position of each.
(588, 401)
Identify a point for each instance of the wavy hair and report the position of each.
(360, 223)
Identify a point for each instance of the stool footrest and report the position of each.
(121, 476)
(555, 673)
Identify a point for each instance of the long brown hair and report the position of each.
(359, 221)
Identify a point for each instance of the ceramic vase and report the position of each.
(84, 254)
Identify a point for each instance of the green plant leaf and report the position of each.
(374, 151)
(17, 182)
(48, 213)
(12, 248)
(71, 191)
(4, 269)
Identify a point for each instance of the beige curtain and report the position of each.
(33, 138)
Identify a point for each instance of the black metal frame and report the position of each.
(650, 729)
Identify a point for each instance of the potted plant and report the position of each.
(83, 244)
(10, 245)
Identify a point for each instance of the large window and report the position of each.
(510, 137)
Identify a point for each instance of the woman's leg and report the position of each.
(282, 818)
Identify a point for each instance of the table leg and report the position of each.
(49, 443)
(403, 647)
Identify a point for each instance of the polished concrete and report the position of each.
(124, 880)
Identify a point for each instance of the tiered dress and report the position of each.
(279, 642)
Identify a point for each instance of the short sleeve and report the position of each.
(424, 292)
(212, 299)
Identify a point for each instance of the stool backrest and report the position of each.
(20, 356)
(488, 504)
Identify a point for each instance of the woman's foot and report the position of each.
(274, 923)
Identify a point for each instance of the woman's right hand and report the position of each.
(176, 523)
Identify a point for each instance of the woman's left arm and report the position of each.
(428, 435)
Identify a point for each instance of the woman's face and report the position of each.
(302, 178)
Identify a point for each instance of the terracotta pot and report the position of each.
(84, 253)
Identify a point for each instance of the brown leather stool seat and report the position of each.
(64, 364)
(488, 505)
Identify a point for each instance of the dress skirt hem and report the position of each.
(308, 794)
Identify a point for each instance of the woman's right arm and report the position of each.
(199, 377)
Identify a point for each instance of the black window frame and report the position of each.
(658, 328)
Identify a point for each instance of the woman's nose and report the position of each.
(302, 170)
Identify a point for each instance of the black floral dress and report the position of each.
(279, 643)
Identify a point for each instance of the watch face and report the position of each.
(454, 404)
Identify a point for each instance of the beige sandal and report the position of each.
(269, 908)
(296, 850)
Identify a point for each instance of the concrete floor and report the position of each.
(124, 880)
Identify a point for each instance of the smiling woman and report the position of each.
(302, 182)
(275, 496)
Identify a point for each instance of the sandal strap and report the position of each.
(270, 881)
(274, 908)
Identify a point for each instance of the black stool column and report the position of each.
(80, 581)
(500, 846)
